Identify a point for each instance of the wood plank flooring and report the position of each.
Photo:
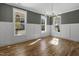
(48, 46)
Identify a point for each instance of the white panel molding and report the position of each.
(7, 37)
(67, 31)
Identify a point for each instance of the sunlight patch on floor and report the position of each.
(54, 41)
(34, 42)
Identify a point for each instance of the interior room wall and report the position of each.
(33, 26)
(69, 27)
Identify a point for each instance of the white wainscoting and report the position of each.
(54, 32)
(68, 31)
(65, 31)
(43, 34)
(7, 33)
(75, 32)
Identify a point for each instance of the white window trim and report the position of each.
(45, 18)
(55, 20)
(14, 10)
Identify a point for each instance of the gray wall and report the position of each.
(33, 18)
(33, 28)
(70, 17)
(6, 15)
(69, 28)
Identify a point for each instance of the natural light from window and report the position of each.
(54, 41)
(43, 23)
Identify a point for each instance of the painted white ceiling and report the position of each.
(48, 8)
(42, 8)
(59, 8)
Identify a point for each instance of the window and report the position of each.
(19, 19)
(57, 22)
(43, 23)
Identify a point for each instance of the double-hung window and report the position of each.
(19, 19)
(43, 23)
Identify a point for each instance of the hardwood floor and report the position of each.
(48, 46)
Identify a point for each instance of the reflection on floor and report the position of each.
(48, 46)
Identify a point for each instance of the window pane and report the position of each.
(43, 23)
(43, 27)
